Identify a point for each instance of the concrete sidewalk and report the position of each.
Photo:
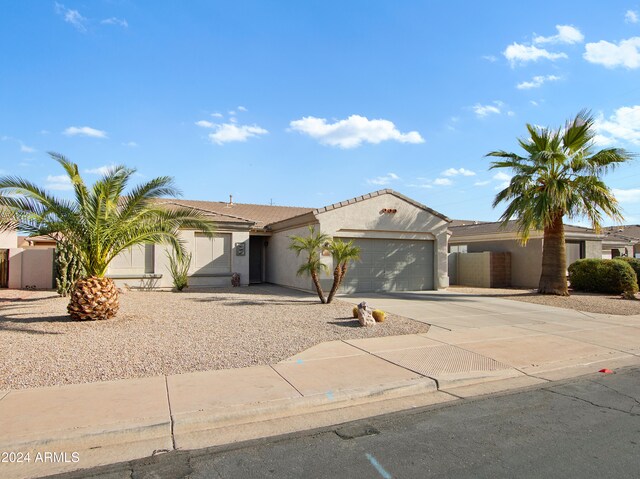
(328, 384)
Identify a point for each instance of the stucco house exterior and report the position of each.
(623, 240)
(403, 246)
(525, 261)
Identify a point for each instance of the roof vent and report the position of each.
(230, 200)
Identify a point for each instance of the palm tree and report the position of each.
(99, 223)
(311, 245)
(559, 176)
(343, 254)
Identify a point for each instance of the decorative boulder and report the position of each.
(365, 315)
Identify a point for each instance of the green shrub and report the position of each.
(179, 264)
(633, 262)
(603, 276)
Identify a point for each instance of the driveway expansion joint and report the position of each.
(171, 419)
(286, 380)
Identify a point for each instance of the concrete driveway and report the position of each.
(450, 310)
(536, 341)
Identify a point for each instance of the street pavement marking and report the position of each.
(378, 467)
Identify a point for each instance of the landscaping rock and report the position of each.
(365, 315)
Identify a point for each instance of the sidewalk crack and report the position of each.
(173, 437)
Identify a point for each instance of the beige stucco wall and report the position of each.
(8, 239)
(474, 269)
(526, 261)
(153, 272)
(283, 263)
(31, 267)
(365, 219)
(593, 249)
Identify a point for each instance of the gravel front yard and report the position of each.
(159, 333)
(588, 302)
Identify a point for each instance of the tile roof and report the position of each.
(260, 215)
(624, 232)
(463, 228)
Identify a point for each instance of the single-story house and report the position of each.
(621, 240)
(403, 245)
(525, 261)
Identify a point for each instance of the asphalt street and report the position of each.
(584, 428)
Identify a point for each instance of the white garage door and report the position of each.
(390, 265)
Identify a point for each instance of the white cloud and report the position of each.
(626, 53)
(101, 170)
(458, 171)
(130, 144)
(26, 149)
(231, 132)
(631, 195)
(353, 131)
(566, 34)
(71, 16)
(483, 111)
(216, 115)
(59, 183)
(503, 179)
(482, 183)
(231, 112)
(242, 108)
(631, 16)
(536, 82)
(383, 180)
(490, 58)
(624, 124)
(442, 182)
(115, 21)
(518, 53)
(84, 131)
(533, 102)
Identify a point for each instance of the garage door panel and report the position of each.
(391, 265)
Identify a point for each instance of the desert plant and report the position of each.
(179, 264)
(354, 311)
(559, 176)
(100, 222)
(379, 315)
(603, 276)
(67, 266)
(343, 254)
(313, 266)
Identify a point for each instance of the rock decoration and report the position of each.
(365, 315)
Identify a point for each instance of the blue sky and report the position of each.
(309, 103)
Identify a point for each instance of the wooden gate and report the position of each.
(4, 268)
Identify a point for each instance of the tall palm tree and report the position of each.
(99, 223)
(313, 266)
(343, 254)
(559, 176)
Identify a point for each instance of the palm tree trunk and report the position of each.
(553, 279)
(316, 283)
(337, 279)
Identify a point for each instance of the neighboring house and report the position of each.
(403, 243)
(621, 241)
(526, 261)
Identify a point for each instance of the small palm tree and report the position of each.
(559, 176)
(311, 245)
(99, 223)
(343, 254)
